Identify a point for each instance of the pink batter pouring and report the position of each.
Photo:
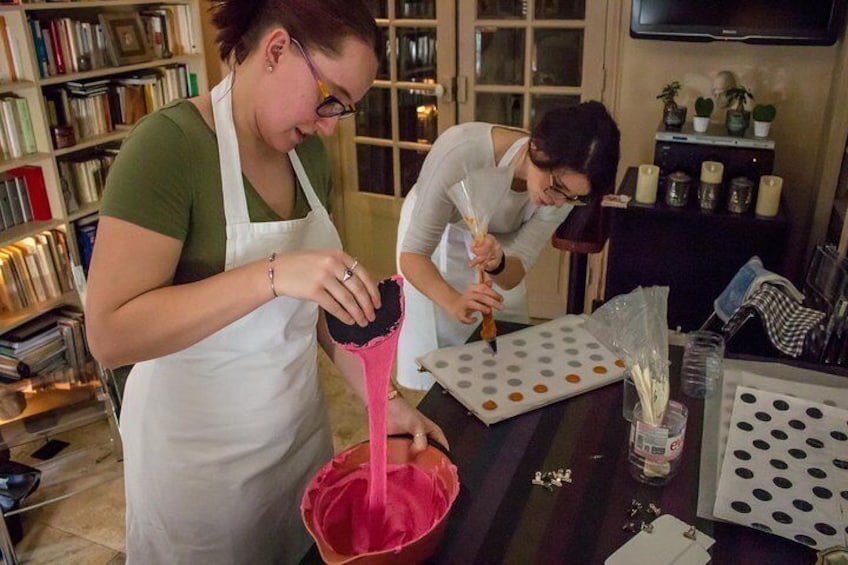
(356, 513)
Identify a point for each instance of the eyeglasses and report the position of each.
(330, 106)
(560, 194)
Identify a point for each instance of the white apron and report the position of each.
(221, 438)
(433, 328)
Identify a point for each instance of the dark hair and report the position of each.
(320, 24)
(585, 139)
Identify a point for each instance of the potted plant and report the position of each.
(763, 115)
(703, 111)
(674, 116)
(737, 116)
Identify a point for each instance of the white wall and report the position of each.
(796, 79)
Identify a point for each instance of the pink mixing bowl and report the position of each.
(431, 461)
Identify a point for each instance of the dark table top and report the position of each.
(500, 516)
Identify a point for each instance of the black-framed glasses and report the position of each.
(560, 194)
(330, 106)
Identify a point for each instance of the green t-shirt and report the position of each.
(167, 179)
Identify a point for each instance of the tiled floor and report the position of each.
(88, 529)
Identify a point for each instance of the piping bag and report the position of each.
(477, 221)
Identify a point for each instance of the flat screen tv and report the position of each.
(777, 22)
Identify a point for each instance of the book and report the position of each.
(36, 191)
(23, 197)
(8, 59)
(6, 208)
(28, 145)
(33, 269)
(11, 124)
(7, 184)
(9, 257)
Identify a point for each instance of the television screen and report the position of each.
(798, 22)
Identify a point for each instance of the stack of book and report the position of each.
(65, 45)
(53, 342)
(34, 270)
(86, 175)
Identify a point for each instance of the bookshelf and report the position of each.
(39, 81)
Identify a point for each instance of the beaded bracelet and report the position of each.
(271, 273)
(499, 269)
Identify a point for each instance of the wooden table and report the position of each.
(500, 517)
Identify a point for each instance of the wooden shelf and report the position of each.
(107, 71)
(20, 231)
(21, 161)
(11, 320)
(16, 86)
(118, 134)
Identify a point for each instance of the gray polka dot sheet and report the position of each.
(534, 367)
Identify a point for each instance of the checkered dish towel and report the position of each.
(786, 322)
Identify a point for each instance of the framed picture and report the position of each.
(125, 38)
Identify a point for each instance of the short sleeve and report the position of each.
(149, 183)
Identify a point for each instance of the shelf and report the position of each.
(106, 71)
(88, 4)
(117, 135)
(11, 320)
(85, 412)
(91, 459)
(85, 210)
(20, 231)
(44, 400)
(5, 165)
(16, 86)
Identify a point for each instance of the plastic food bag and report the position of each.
(635, 327)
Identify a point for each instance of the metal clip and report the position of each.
(690, 533)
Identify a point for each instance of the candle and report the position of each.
(646, 184)
(711, 172)
(768, 196)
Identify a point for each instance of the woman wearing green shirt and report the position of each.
(214, 253)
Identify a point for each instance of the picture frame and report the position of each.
(125, 38)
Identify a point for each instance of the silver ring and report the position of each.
(420, 434)
(355, 265)
(348, 274)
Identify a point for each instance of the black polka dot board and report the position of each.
(785, 468)
(534, 367)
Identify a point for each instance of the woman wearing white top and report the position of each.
(531, 183)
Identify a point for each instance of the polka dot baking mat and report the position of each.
(534, 367)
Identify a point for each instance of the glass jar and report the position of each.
(677, 189)
(739, 195)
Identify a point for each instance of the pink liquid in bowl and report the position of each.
(421, 489)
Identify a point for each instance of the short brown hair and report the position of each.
(320, 24)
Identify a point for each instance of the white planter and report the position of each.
(700, 123)
(761, 129)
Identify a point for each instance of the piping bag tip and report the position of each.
(493, 344)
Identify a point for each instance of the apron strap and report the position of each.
(513, 150)
(305, 183)
(235, 204)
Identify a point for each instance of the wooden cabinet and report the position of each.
(692, 252)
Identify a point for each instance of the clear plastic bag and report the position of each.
(635, 327)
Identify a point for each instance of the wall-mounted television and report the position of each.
(776, 22)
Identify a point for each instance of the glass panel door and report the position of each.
(408, 106)
(517, 59)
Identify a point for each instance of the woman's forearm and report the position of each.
(423, 275)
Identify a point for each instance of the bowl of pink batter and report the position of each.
(420, 491)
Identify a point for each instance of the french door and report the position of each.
(450, 61)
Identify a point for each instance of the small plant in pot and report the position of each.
(703, 111)
(674, 116)
(738, 117)
(763, 115)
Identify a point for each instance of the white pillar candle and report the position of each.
(768, 196)
(646, 184)
(712, 172)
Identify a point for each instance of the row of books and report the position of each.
(94, 107)
(86, 233)
(34, 270)
(23, 197)
(47, 344)
(17, 137)
(10, 59)
(67, 45)
(85, 177)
